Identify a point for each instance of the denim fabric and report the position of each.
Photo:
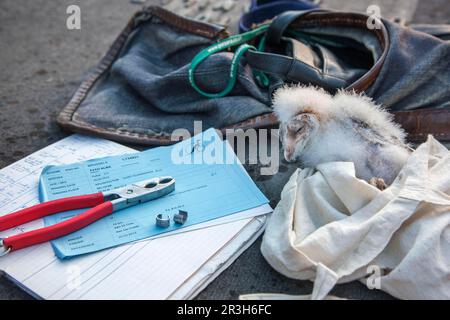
(147, 90)
(416, 72)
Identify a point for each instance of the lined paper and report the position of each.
(208, 191)
(176, 266)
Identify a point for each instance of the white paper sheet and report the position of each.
(176, 266)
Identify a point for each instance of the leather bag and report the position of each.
(140, 91)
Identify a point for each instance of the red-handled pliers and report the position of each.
(103, 203)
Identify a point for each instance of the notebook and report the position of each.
(171, 267)
(212, 192)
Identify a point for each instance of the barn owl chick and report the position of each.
(316, 127)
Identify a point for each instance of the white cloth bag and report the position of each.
(331, 227)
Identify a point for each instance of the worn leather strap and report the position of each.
(413, 121)
(292, 69)
(417, 123)
(295, 70)
(422, 122)
(279, 25)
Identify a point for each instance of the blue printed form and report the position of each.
(210, 183)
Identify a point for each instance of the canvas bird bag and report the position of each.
(331, 227)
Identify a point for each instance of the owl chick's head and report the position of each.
(300, 111)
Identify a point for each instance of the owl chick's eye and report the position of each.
(299, 130)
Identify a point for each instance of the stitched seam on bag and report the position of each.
(67, 115)
(119, 130)
(122, 131)
(312, 67)
(345, 21)
(185, 24)
(373, 73)
(104, 64)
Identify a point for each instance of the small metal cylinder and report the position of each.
(180, 217)
(163, 220)
(3, 250)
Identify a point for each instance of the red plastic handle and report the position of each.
(60, 229)
(48, 208)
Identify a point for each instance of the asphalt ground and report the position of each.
(42, 63)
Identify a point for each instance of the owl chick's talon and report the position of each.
(378, 183)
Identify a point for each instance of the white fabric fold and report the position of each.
(332, 227)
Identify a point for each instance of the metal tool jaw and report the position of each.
(3, 250)
(140, 192)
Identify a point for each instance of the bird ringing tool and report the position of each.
(102, 203)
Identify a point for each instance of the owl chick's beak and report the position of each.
(289, 154)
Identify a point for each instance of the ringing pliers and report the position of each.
(103, 203)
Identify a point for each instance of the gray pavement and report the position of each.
(42, 63)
